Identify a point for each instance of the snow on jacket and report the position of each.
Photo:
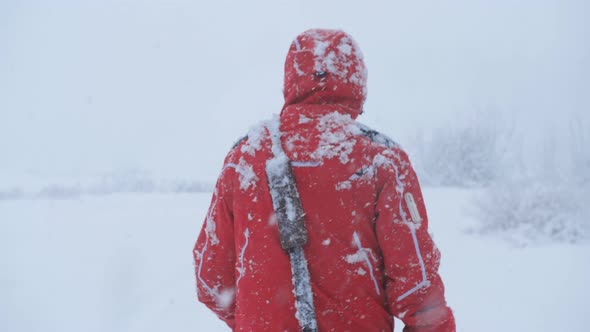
(369, 253)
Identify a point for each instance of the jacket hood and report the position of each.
(325, 67)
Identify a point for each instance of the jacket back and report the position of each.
(369, 252)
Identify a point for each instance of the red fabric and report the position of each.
(365, 252)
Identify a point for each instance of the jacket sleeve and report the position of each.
(214, 253)
(415, 291)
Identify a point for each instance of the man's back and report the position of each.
(369, 253)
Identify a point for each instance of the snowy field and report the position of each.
(123, 262)
(103, 97)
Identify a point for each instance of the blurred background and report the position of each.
(115, 117)
(163, 88)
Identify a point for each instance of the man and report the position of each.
(368, 253)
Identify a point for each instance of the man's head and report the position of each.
(325, 67)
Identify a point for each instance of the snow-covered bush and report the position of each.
(10, 194)
(534, 189)
(580, 151)
(458, 155)
(537, 211)
(118, 182)
(549, 204)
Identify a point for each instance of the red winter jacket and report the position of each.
(369, 253)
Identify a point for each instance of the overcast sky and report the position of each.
(88, 87)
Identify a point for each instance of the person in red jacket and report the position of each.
(368, 254)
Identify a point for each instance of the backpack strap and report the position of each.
(293, 234)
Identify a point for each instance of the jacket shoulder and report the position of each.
(238, 142)
(253, 141)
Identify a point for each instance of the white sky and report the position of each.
(167, 86)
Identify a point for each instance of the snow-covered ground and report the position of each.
(123, 262)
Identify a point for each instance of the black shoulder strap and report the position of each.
(376, 136)
(236, 144)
